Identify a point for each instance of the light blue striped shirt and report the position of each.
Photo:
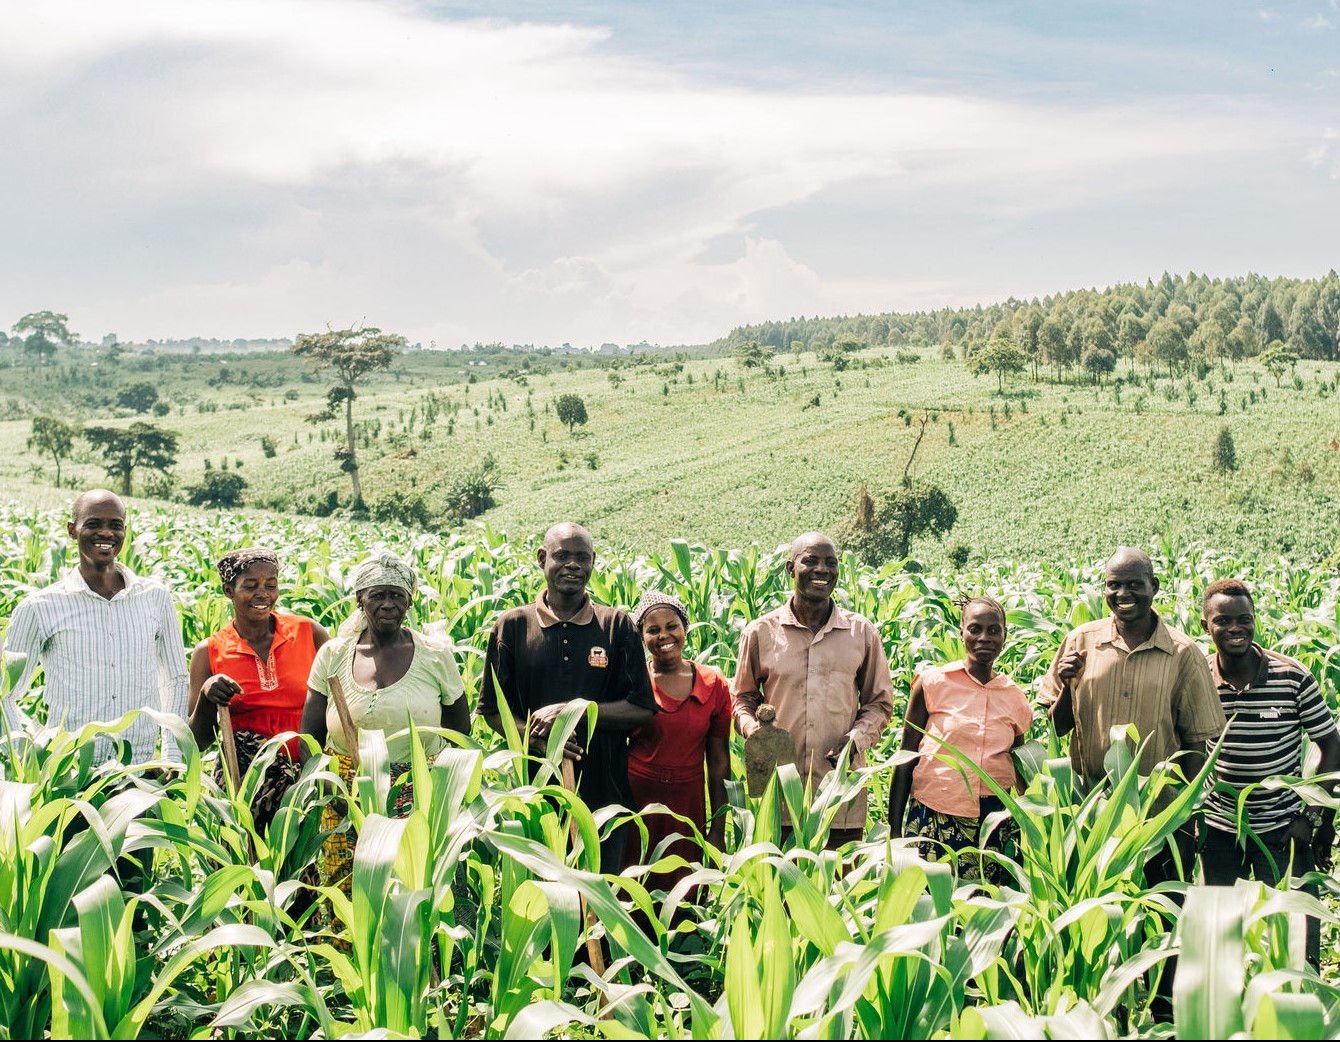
(102, 658)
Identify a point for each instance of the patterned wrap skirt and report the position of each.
(961, 835)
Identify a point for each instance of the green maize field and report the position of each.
(469, 917)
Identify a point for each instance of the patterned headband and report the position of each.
(653, 599)
(235, 562)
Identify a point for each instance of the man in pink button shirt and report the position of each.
(823, 669)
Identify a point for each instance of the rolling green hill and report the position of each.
(702, 449)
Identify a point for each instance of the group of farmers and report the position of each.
(109, 642)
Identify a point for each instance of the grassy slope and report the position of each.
(729, 467)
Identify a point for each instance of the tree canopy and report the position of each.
(126, 450)
(353, 354)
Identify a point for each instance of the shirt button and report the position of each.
(565, 658)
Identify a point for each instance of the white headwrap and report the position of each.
(383, 568)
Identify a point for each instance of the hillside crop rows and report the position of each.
(699, 449)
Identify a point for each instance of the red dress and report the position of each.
(273, 691)
(667, 760)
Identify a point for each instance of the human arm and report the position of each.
(313, 721)
(206, 693)
(320, 635)
(874, 697)
(23, 637)
(455, 706)
(172, 673)
(1323, 840)
(746, 687)
(1057, 691)
(718, 770)
(914, 726)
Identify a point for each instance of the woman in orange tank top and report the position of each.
(257, 665)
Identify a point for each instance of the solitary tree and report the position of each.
(45, 331)
(353, 354)
(1276, 358)
(883, 531)
(999, 357)
(571, 410)
(1098, 362)
(125, 450)
(54, 438)
(140, 397)
(1225, 452)
(753, 355)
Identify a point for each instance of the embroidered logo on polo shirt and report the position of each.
(598, 658)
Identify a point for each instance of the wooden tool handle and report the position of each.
(594, 951)
(228, 744)
(346, 719)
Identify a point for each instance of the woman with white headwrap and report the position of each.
(389, 674)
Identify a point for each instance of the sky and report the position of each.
(587, 172)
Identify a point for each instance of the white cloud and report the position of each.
(471, 179)
(1319, 22)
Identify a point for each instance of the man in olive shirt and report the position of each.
(564, 647)
(1133, 668)
(823, 669)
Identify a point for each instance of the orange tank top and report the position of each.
(273, 691)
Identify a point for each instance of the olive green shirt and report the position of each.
(1163, 687)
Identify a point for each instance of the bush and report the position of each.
(473, 493)
(407, 508)
(218, 488)
(269, 446)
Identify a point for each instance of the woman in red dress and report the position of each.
(257, 665)
(666, 757)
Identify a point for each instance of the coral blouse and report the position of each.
(273, 691)
(979, 720)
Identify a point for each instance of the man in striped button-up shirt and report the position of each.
(108, 641)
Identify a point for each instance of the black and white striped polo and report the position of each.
(1264, 739)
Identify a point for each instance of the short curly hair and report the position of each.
(1229, 588)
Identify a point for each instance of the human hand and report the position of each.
(542, 724)
(220, 689)
(1323, 845)
(1071, 665)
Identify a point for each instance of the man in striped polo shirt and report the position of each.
(1270, 701)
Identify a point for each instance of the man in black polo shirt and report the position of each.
(563, 647)
(1270, 701)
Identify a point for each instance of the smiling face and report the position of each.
(385, 607)
(255, 592)
(813, 565)
(1230, 620)
(983, 632)
(98, 528)
(1129, 589)
(663, 635)
(566, 558)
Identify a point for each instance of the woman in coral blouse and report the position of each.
(980, 712)
(257, 666)
(666, 758)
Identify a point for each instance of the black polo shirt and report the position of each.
(539, 659)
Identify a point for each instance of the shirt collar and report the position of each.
(584, 616)
(76, 581)
(961, 666)
(1160, 639)
(233, 640)
(837, 618)
(1262, 672)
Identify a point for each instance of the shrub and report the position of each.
(217, 488)
(407, 508)
(474, 492)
